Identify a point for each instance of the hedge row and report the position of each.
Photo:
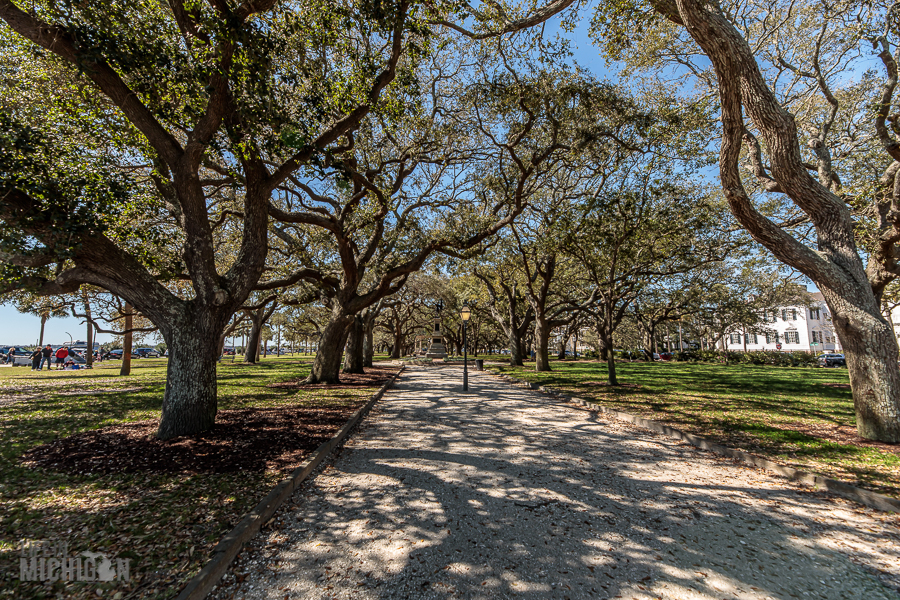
(756, 357)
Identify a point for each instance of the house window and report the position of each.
(771, 337)
(816, 336)
(791, 337)
(788, 314)
(815, 314)
(751, 338)
(735, 338)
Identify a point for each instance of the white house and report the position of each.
(792, 329)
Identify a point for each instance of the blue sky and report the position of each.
(21, 329)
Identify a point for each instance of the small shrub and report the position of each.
(805, 359)
(709, 356)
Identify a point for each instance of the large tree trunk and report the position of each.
(327, 364)
(515, 348)
(251, 353)
(44, 318)
(369, 341)
(126, 341)
(602, 348)
(189, 404)
(836, 268)
(354, 357)
(649, 343)
(397, 350)
(871, 351)
(542, 344)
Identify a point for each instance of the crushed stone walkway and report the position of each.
(506, 493)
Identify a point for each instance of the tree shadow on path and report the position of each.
(505, 493)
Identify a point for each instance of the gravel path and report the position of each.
(506, 493)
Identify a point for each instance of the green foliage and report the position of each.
(752, 357)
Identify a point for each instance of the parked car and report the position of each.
(147, 352)
(832, 360)
(20, 356)
(117, 355)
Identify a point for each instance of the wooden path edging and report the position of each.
(229, 546)
(839, 488)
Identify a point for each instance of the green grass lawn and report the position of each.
(165, 523)
(798, 416)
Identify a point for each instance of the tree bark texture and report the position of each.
(354, 356)
(327, 364)
(398, 343)
(259, 316)
(369, 342)
(189, 404)
(542, 343)
(251, 354)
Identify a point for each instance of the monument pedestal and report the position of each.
(437, 348)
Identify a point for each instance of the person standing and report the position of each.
(37, 359)
(61, 356)
(46, 353)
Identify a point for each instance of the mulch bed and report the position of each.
(372, 377)
(252, 439)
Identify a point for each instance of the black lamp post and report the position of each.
(465, 313)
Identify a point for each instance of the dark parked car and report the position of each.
(117, 355)
(832, 360)
(147, 352)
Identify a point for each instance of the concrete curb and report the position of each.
(230, 545)
(839, 488)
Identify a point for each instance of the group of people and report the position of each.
(46, 354)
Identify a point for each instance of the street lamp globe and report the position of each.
(465, 313)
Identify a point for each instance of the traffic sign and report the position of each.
(778, 346)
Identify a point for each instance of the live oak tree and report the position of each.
(180, 109)
(781, 86)
(637, 230)
(407, 312)
(407, 189)
(507, 307)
